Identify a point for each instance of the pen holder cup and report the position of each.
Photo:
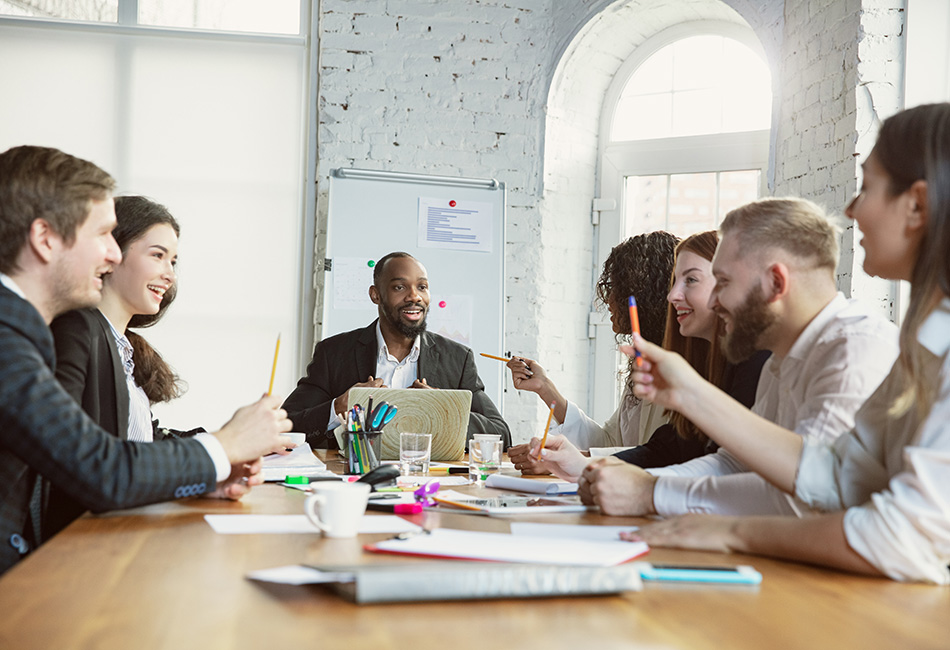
(362, 451)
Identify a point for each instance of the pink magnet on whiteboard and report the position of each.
(451, 204)
(442, 304)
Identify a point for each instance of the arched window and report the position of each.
(685, 138)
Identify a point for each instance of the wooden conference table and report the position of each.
(159, 577)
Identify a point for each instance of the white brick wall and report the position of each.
(514, 90)
(841, 75)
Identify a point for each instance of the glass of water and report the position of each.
(415, 450)
(484, 456)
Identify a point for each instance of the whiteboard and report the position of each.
(454, 226)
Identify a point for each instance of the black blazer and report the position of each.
(43, 431)
(349, 358)
(90, 369)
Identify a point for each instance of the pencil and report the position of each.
(457, 504)
(635, 326)
(273, 370)
(492, 356)
(546, 427)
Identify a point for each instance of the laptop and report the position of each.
(443, 413)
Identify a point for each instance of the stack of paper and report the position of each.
(502, 547)
(299, 462)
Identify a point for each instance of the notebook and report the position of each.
(443, 413)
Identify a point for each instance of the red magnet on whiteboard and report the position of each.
(451, 204)
(442, 304)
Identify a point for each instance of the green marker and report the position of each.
(297, 480)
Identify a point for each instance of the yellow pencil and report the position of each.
(546, 427)
(273, 370)
(456, 504)
(492, 356)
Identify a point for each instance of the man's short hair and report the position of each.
(45, 183)
(796, 226)
(378, 268)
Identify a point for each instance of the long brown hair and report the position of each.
(705, 356)
(914, 145)
(134, 216)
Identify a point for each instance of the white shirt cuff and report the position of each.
(334, 417)
(670, 495)
(222, 467)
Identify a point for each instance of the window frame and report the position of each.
(717, 152)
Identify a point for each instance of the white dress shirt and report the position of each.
(395, 373)
(140, 412)
(834, 365)
(893, 474)
(631, 424)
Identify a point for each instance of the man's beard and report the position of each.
(749, 321)
(68, 291)
(409, 330)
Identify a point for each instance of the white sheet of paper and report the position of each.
(297, 574)
(531, 485)
(451, 316)
(270, 524)
(455, 225)
(299, 462)
(452, 479)
(569, 531)
(464, 544)
(352, 277)
(597, 452)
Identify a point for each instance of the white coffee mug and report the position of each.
(337, 508)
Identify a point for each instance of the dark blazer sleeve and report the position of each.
(338, 362)
(43, 429)
(89, 368)
(308, 406)
(447, 364)
(484, 417)
(666, 447)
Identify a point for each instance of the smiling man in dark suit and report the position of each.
(394, 351)
(56, 221)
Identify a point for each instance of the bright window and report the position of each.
(685, 139)
(685, 203)
(697, 85)
(271, 17)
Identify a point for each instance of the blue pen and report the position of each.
(379, 414)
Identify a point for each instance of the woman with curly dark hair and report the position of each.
(640, 266)
(692, 329)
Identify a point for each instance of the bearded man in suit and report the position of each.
(394, 351)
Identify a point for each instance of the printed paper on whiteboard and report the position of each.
(351, 279)
(451, 316)
(458, 225)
